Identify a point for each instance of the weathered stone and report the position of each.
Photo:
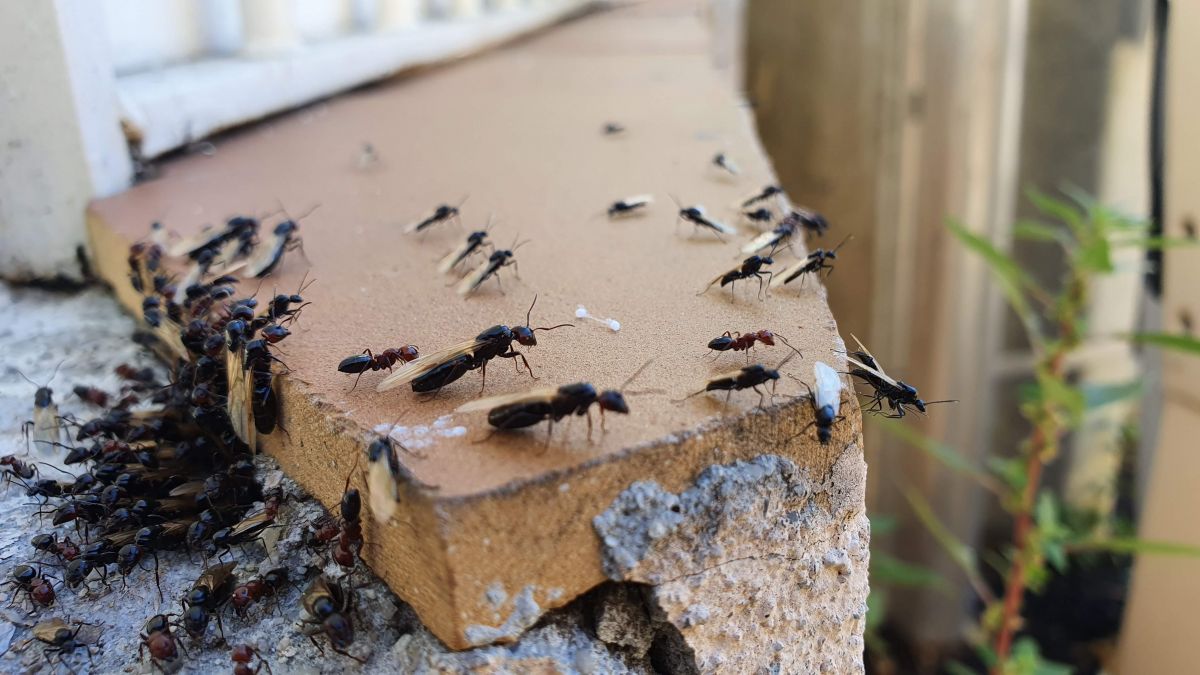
(760, 566)
(621, 619)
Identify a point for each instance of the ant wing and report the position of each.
(427, 363)
(189, 489)
(762, 242)
(874, 371)
(226, 261)
(121, 538)
(266, 259)
(214, 577)
(253, 524)
(194, 274)
(420, 223)
(639, 200)
(47, 630)
(206, 237)
(474, 279)
(829, 386)
(877, 368)
(720, 227)
(454, 257)
(167, 331)
(789, 274)
(241, 392)
(533, 396)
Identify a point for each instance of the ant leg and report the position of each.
(366, 351)
(589, 419)
(483, 385)
(549, 433)
(728, 393)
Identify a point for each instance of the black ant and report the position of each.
(816, 261)
(490, 268)
(696, 216)
(433, 371)
(329, 605)
(750, 267)
(60, 640)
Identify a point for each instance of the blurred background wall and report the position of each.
(890, 118)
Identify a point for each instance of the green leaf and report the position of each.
(1096, 255)
(1026, 659)
(1057, 209)
(1056, 555)
(1135, 546)
(889, 571)
(1100, 395)
(1182, 343)
(1008, 274)
(960, 553)
(1010, 469)
(881, 524)
(1031, 230)
(937, 450)
(1056, 391)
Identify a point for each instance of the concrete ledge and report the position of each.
(492, 535)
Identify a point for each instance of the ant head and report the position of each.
(766, 337)
(767, 260)
(525, 336)
(612, 401)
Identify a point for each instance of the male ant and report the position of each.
(61, 640)
(750, 267)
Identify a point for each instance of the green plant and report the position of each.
(1054, 323)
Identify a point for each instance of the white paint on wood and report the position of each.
(59, 132)
(398, 14)
(178, 105)
(269, 28)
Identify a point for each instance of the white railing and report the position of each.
(187, 68)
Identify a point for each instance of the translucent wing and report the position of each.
(427, 363)
(47, 630)
(421, 222)
(241, 390)
(474, 279)
(789, 274)
(762, 242)
(168, 332)
(266, 259)
(877, 369)
(206, 237)
(639, 200)
(453, 257)
(874, 371)
(491, 402)
(718, 225)
(194, 274)
(829, 386)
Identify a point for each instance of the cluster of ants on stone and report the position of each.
(169, 466)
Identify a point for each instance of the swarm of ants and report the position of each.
(169, 466)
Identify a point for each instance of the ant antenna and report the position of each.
(529, 313)
(42, 386)
(789, 345)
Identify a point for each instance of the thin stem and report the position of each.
(1044, 436)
